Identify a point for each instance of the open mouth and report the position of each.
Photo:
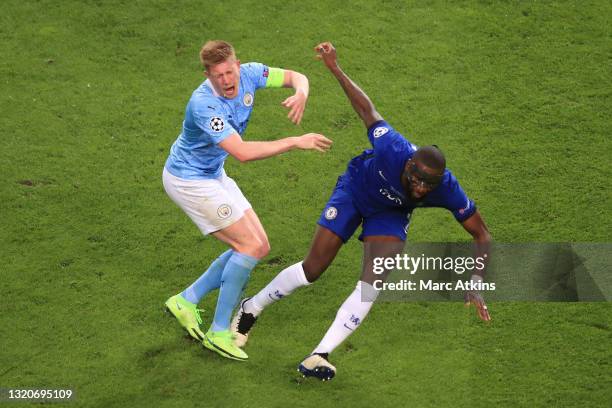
(229, 91)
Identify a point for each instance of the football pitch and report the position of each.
(517, 94)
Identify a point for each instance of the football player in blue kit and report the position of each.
(379, 190)
(216, 117)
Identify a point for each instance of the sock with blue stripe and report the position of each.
(210, 280)
(235, 277)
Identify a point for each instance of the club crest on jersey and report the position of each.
(379, 131)
(331, 213)
(248, 99)
(216, 124)
(224, 211)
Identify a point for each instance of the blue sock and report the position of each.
(210, 280)
(234, 279)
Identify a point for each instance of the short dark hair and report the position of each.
(431, 156)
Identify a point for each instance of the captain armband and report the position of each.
(276, 77)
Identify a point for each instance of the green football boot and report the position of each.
(187, 314)
(222, 342)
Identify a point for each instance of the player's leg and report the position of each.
(337, 224)
(247, 251)
(208, 281)
(351, 313)
(258, 228)
(211, 279)
(357, 306)
(349, 316)
(189, 196)
(249, 243)
(261, 242)
(216, 206)
(324, 248)
(184, 305)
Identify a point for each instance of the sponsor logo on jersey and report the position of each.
(248, 99)
(331, 213)
(390, 196)
(224, 211)
(379, 131)
(216, 124)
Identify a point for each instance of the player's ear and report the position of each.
(206, 74)
(238, 63)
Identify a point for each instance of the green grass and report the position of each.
(92, 96)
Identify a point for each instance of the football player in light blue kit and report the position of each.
(379, 191)
(215, 118)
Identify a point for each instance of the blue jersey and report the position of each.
(370, 191)
(209, 119)
(374, 178)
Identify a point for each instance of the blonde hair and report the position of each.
(215, 52)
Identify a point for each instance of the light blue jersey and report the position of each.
(209, 119)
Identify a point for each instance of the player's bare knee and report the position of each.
(253, 246)
(257, 249)
(263, 249)
(312, 270)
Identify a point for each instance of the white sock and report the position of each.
(288, 280)
(350, 315)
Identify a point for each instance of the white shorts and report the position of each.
(212, 204)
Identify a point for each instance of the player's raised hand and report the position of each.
(296, 105)
(476, 299)
(327, 53)
(313, 141)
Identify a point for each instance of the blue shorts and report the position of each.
(342, 217)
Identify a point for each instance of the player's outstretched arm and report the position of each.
(360, 101)
(482, 240)
(477, 228)
(249, 151)
(297, 102)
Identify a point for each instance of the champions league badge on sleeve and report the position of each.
(216, 124)
(379, 131)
